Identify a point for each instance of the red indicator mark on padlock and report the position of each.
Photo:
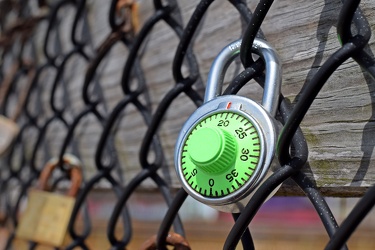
(228, 105)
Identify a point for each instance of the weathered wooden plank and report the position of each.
(339, 126)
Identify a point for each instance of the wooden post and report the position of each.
(339, 128)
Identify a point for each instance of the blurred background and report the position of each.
(282, 223)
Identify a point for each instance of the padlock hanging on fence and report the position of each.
(47, 215)
(227, 146)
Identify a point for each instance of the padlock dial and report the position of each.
(220, 154)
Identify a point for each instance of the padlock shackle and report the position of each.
(218, 69)
(74, 172)
(272, 83)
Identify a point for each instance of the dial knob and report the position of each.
(220, 154)
(212, 150)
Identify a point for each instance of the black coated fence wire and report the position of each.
(291, 151)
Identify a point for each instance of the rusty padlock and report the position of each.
(47, 215)
(173, 239)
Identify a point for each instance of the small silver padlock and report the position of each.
(226, 147)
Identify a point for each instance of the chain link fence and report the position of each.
(58, 106)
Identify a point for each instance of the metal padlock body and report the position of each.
(259, 116)
(46, 217)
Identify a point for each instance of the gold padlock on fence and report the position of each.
(47, 215)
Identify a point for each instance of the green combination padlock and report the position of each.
(226, 147)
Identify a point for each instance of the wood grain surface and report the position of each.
(339, 127)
